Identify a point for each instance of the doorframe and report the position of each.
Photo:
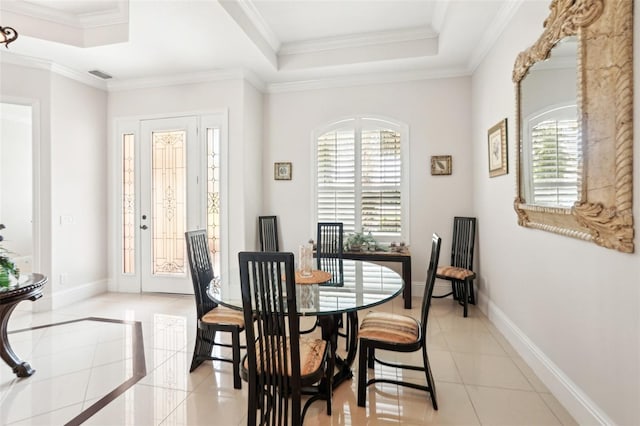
(40, 207)
(119, 282)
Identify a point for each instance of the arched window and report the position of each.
(551, 144)
(361, 177)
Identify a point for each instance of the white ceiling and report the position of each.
(276, 42)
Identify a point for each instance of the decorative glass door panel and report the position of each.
(169, 201)
(128, 252)
(213, 195)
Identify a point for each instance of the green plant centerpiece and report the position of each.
(8, 271)
(359, 240)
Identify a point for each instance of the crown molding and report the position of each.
(190, 78)
(254, 80)
(132, 84)
(366, 79)
(258, 21)
(356, 40)
(117, 15)
(87, 78)
(235, 74)
(31, 62)
(439, 14)
(490, 36)
(254, 27)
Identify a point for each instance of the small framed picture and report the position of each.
(440, 165)
(497, 141)
(282, 171)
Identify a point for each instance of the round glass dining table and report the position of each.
(361, 285)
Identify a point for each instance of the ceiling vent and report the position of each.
(102, 75)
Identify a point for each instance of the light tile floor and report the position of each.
(480, 379)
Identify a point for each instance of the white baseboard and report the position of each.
(71, 295)
(124, 286)
(574, 399)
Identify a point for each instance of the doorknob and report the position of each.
(143, 227)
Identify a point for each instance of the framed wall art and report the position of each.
(440, 165)
(282, 171)
(497, 141)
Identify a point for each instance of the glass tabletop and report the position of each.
(25, 285)
(363, 285)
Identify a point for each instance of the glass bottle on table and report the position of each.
(305, 259)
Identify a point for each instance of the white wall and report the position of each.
(570, 307)
(16, 179)
(79, 184)
(438, 114)
(32, 86)
(69, 149)
(253, 152)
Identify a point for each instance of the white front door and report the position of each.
(169, 201)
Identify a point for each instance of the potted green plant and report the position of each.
(357, 240)
(8, 270)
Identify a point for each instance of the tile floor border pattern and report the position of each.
(138, 364)
(468, 356)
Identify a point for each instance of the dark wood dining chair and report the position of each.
(329, 257)
(279, 363)
(398, 333)
(329, 250)
(211, 317)
(268, 231)
(460, 271)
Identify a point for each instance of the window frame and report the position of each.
(357, 123)
(557, 111)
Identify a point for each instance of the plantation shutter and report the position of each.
(554, 147)
(381, 179)
(336, 179)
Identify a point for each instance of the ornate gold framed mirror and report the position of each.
(574, 124)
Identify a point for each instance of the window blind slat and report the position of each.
(378, 205)
(554, 147)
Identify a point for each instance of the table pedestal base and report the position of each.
(23, 370)
(329, 325)
(20, 368)
(31, 289)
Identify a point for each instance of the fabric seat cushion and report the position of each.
(454, 272)
(312, 355)
(388, 327)
(224, 316)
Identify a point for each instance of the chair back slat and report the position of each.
(329, 251)
(436, 242)
(201, 269)
(329, 239)
(268, 231)
(334, 266)
(463, 242)
(268, 293)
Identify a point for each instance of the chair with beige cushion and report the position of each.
(460, 271)
(280, 365)
(211, 317)
(398, 333)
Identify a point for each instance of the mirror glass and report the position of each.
(550, 132)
